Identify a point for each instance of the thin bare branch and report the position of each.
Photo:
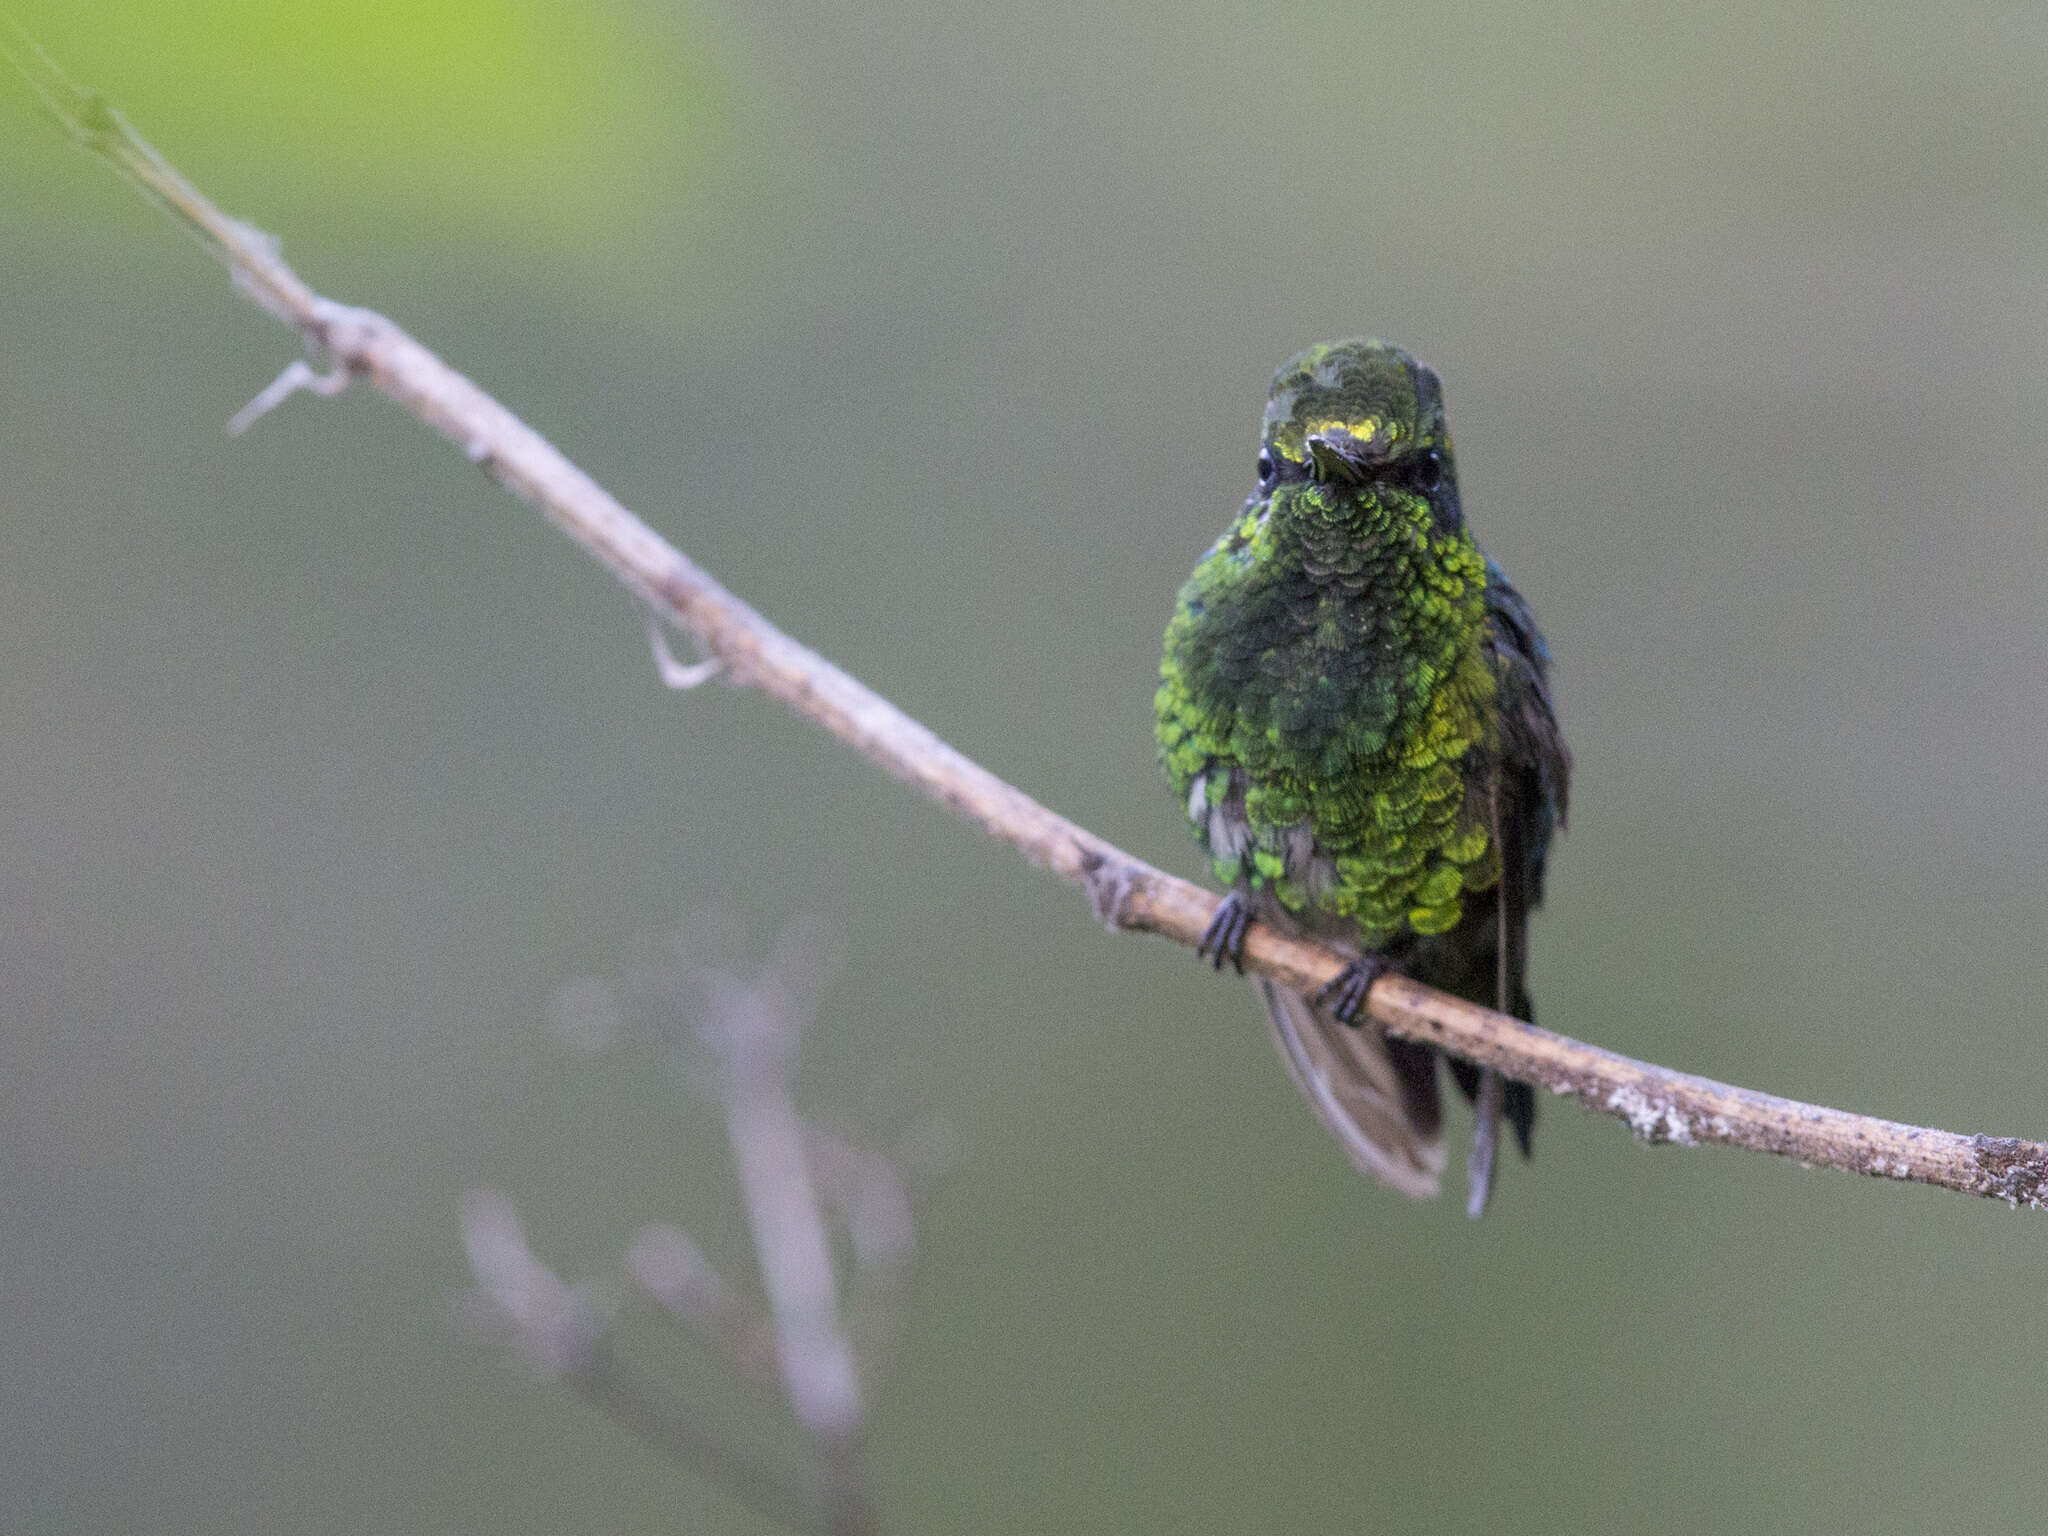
(750, 1028)
(1659, 1104)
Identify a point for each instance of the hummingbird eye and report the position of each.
(1268, 471)
(1424, 472)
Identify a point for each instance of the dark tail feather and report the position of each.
(1415, 1063)
(1517, 1100)
(1518, 1103)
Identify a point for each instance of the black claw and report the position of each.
(1345, 997)
(1223, 939)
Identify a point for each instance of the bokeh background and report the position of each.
(941, 332)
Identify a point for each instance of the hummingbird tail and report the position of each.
(1377, 1095)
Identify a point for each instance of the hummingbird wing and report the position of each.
(1538, 763)
(1534, 784)
(1378, 1096)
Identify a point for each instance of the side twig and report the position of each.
(1659, 1104)
(672, 1271)
(796, 1343)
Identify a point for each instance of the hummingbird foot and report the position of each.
(1223, 939)
(1345, 996)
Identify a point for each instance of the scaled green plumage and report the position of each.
(1355, 709)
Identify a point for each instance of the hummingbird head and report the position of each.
(1360, 422)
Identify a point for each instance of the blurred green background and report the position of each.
(941, 333)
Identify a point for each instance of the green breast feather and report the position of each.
(1327, 706)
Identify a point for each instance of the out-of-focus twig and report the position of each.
(1659, 1104)
(871, 1198)
(669, 1267)
(755, 1038)
(800, 1345)
(556, 1329)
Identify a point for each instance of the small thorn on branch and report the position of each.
(676, 674)
(298, 374)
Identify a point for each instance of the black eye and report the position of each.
(1268, 471)
(1424, 472)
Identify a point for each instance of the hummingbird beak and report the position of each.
(1340, 455)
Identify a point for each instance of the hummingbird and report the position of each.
(1355, 708)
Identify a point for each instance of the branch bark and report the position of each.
(1659, 1104)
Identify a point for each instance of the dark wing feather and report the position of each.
(1535, 767)
(1538, 764)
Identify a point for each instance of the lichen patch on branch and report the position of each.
(1652, 1120)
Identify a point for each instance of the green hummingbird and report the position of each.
(1355, 708)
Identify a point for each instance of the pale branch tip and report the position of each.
(1660, 1105)
(298, 374)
